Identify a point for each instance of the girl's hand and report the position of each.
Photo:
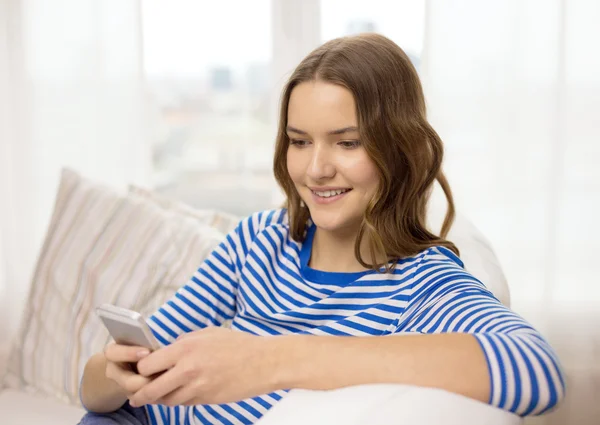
(210, 366)
(118, 367)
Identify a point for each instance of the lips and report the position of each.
(329, 193)
(328, 196)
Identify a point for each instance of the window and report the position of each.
(214, 81)
(207, 72)
(403, 21)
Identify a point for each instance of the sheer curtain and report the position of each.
(72, 95)
(514, 90)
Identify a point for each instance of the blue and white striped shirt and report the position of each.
(259, 278)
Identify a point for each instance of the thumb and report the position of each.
(124, 353)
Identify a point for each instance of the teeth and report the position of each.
(329, 193)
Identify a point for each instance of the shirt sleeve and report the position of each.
(525, 374)
(209, 296)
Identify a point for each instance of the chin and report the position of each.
(333, 221)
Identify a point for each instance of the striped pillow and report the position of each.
(101, 246)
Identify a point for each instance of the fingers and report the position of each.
(160, 360)
(166, 383)
(118, 360)
(124, 353)
(129, 381)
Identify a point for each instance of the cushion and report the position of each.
(101, 246)
(479, 258)
(384, 404)
(476, 251)
(219, 220)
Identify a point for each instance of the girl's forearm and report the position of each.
(453, 362)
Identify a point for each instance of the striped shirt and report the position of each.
(259, 278)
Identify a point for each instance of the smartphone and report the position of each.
(127, 327)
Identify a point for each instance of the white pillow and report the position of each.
(384, 404)
(479, 257)
(476, 251)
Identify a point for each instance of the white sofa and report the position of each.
(368, 404)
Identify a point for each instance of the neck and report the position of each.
(334, 252)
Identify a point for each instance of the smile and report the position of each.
(330, 193)
(328, 196)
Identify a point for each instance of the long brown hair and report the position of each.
(394, 131)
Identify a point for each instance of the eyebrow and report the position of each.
(291, 129)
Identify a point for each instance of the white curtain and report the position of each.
(71, 87)
(513, 88)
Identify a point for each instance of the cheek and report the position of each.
(293, 167)
(372, 179)
(363, 174)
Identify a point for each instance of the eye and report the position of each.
(299, 142)
(349, 144)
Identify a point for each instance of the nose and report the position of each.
(321, 165)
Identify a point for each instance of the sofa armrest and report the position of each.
(384, 404)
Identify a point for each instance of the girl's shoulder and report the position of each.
(249, 227)
(261, 220)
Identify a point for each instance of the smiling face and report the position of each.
(330, 168)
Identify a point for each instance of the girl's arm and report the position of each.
(453, 362)
(454, 335)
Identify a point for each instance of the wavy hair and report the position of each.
(394, 131)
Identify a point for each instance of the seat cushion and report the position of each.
(17, 407)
